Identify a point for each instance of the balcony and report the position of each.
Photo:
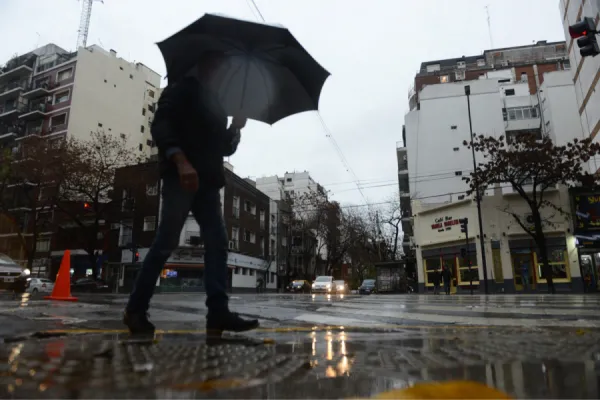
(35, 111)
(11, 109)
(17, 68)
(38, 90)
(12, 90)
(10, 131)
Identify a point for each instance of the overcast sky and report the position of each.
(373, 50)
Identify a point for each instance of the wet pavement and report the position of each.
(532, 347)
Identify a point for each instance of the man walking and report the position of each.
(447, 278)
(190, 131)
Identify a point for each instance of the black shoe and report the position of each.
(228, 321)
(138, 323)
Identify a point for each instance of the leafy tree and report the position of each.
(532, 167)
(84, 196)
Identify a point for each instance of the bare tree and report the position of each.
(29, 178)
(84, 196)
(532, 167)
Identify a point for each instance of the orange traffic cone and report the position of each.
(62, 286)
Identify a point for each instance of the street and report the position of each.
(307, 347)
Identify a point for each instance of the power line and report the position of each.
(258, 10)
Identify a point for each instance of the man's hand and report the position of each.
(188, 177)
(238, 122)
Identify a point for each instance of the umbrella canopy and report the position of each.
(266, 74)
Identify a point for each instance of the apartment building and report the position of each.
(507, 85)
(136, 217)
(585, 71)
(53, 93)
(291, 247)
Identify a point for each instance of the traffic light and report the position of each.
(585, 32)
(86, 206)
(136, 258)
(464, 222)
(463, 253)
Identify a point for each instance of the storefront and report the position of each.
(586, 215)
(513, 262)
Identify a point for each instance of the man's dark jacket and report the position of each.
(189, 118)
(446, 275)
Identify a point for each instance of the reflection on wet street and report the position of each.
(306, 363)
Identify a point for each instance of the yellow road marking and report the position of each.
(445, 390)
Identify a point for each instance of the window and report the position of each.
(444, 79)
(524, 77)
(126, 233)
(288, 180)
(61, 97)
(236, 206)
(284, 241)
(519, 113)
(246, 235)
(236, 271)
(142, 128)
(151, 93)
(567, 64)
(149, 224)
(121, 68)
(249, 207)
(431, 264)
(453, 127)
(262, 219)
(433, 67)
(141, 147)
(460, 75)
(464, 275)
(99, 125)
(458, 173)
(64, 75)
(130, 76)
(152, 189)
(509, 92)
(461, 64)
(456, 149)
(252, 237)
(251, 272)
(143, 111)
(481, 62)
(235, 233)
(262, 246)
(42, 245)
(244, 271)
(58, 120)
(557, 258)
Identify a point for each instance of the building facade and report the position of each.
(585, 71)
(295, 251)
(53, 93)
(137, 211)
(510, 251)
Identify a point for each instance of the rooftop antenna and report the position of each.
(84, 22)
(487, 10)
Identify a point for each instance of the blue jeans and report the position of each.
(176, 205)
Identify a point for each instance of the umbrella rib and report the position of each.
(260, 71)
(232, 75)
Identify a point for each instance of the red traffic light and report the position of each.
(86, 205)
(582, 28)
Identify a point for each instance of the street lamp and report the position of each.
(477, 192)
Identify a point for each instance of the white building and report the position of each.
(585, 71)
(437, 160)
(56, 94)
(279, 190)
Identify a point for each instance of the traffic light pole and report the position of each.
(477, 195)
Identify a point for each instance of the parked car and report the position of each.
(10, 271)
(323, 284)
(367, 287)
(300, 286)
(90, 285)
(39, 285)
(340, 287)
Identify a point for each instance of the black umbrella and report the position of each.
(266, 75)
